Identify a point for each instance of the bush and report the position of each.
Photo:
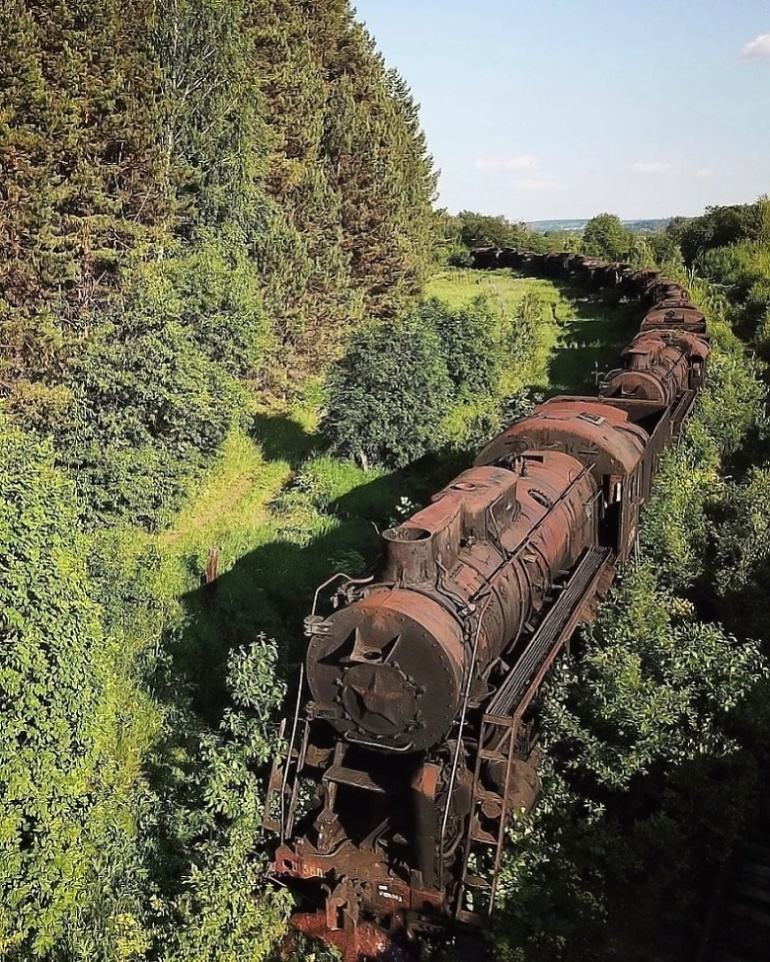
(468, 346)
(222, 909)
(677, 530)
(641, 765)
(652, 687)
(483, 230)
(605, 236)
(214, 293)
(74, 724)
(721, 227)
(742, 575)
(389, 394)
(523, 327)
(148, 405)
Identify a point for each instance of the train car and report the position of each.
(675, 314)
(397, 677)
(485, 258)
(605, 440)
(558, 264)
(659, 365)
(414, 732)
(663, 289)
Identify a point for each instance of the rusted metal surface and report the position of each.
(365, 942)
(414, 732)
(675, 314)
(387, 669)
(594, 433)
(658, 365)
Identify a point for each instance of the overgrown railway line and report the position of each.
(414, 736)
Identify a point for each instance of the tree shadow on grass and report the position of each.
(270, 588)
(284, 439)
(590, 342)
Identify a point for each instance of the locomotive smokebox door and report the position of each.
(387, 671)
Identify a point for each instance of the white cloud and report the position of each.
(515, 162)
(757, 49)
(704, 172)
(655, 168)
(534, 184)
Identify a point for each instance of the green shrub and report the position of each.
(643, 782)
(75, 724)
(147, 406)
(653, 686)
(389, 394)
(742, 576)
(221, 908)
(468, 346)
(523, 327)
(677, 529)
(605, 236)
(482, 230)
(214, 292)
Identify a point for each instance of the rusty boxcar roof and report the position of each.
(672, 314)
(593, 432)
(689, 343)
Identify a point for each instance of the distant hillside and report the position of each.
(549, 226)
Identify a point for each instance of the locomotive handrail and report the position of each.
(367, 744)
(456, 757)
(334, 577)
(295, 725)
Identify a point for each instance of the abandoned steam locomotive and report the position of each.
(413, 741)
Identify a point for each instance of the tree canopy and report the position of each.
(605, 236)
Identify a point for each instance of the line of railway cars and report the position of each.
(414, 738)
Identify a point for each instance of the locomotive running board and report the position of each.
(555, 629)
(499, 737)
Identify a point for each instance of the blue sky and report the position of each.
(563, 108)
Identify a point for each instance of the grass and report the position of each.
(503, 289)
(581, 337)
(285, 514)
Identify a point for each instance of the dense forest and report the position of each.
(200, 202)
(228, 322)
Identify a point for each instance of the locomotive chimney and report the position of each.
(428, 539)
(409, 554)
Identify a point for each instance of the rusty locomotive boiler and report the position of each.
(414, 738)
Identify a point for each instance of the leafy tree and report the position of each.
(605, 236)
(74, 722)
(522, 331)
(721, 227)
(653, 686)
(388, 395)
(222, 909)
(483, 230)
(257, 159)
(468, 346)
(147, 404)
(638, 731)
(85, 185)
(743, 552)
(641, 253)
